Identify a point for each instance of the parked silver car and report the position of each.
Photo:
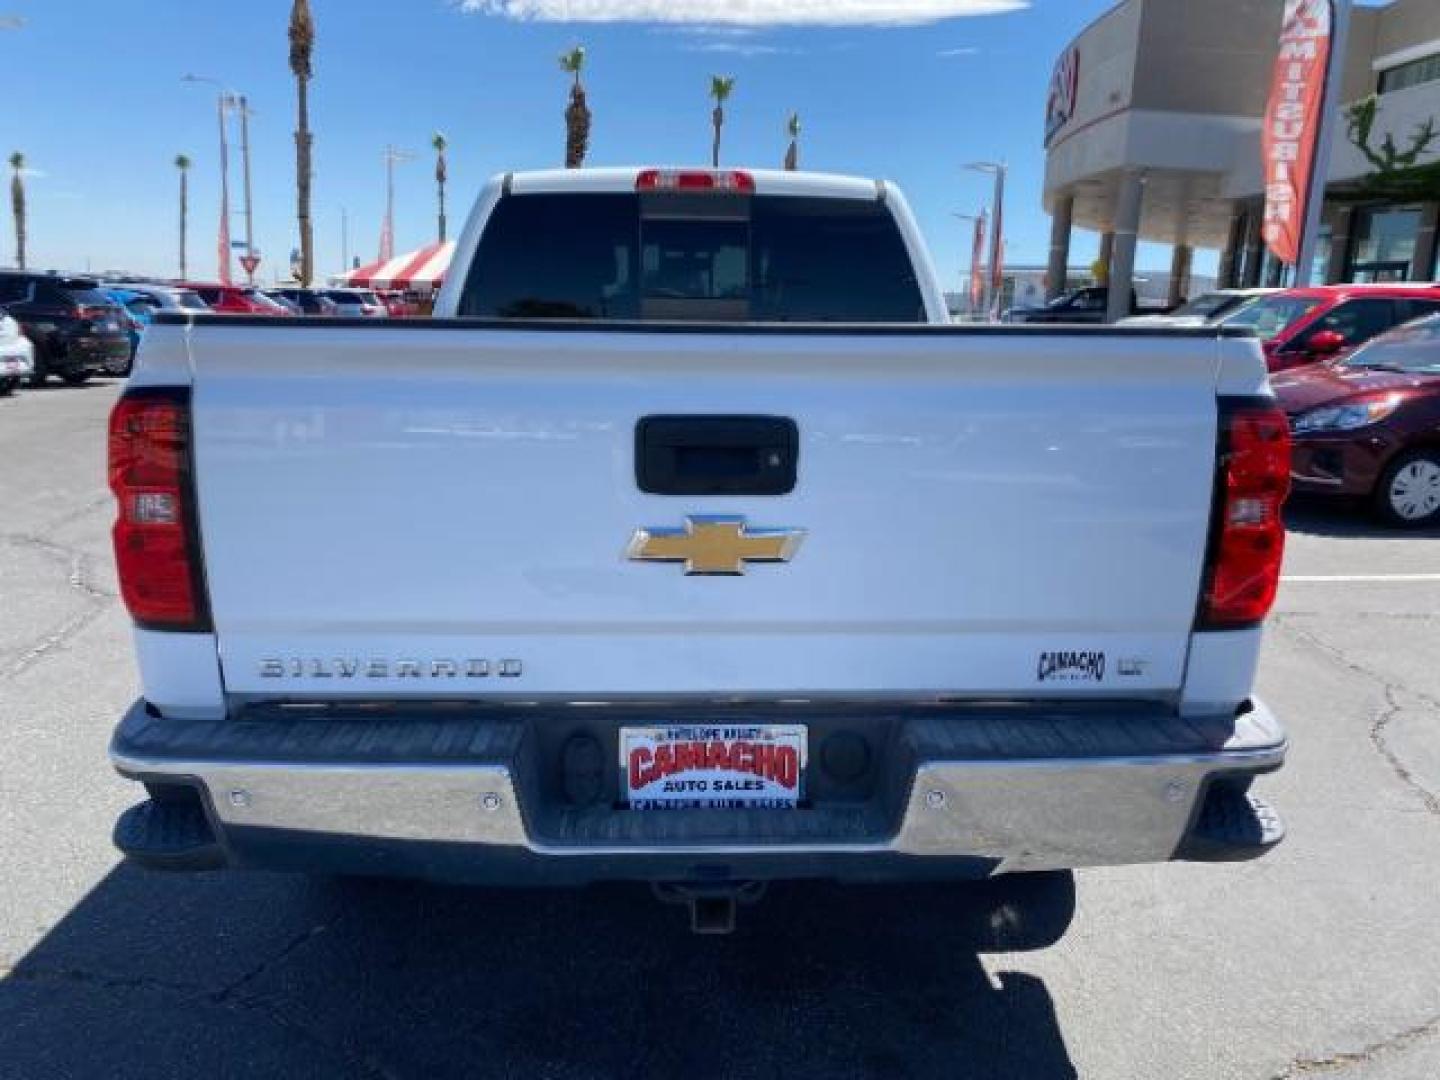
(17, 355)
(357, 303)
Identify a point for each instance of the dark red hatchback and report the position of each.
(1369, 425)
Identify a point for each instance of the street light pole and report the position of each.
(244, 109)
(387, 235)
(224, 249)
(995, 279)
(224, 103)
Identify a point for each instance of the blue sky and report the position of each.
(98, 107)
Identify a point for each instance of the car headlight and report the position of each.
(1346, 417)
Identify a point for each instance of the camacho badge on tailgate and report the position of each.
(715, 545)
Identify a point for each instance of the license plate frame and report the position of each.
(736, 766)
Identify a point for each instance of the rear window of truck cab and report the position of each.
(692, 258)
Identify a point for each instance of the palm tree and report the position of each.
(577, 113)
(302, 47)
(17, 204)
(792, 155)
(183, 164)
(439, 142)
(721, 86)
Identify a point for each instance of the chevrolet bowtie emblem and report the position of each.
(715, 545)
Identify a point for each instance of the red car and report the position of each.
(397, 304)
(236, 299)
(1368, 426)
(1302, 326)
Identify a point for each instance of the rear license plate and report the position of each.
(740, 766)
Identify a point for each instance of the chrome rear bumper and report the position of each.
(975, 793)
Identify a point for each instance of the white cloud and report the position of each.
(33, 174)
(740, 48)
(703, 31)
(751, 13)
(964, 50)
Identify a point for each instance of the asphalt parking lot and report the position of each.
(1321, 960)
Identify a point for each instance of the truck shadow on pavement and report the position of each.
(270, 974)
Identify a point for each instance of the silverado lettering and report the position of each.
(298, 667)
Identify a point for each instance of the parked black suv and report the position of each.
(77, 330)
(1079, 307)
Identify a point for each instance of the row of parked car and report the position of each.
(1357, 370)
(74, 328)
(335, 303)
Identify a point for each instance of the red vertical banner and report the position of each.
(1293, 122)
(977, 263)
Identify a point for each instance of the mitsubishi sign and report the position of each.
(1064, 92)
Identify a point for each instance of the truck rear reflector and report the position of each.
(1247, 537)
(157, 549)
(730, 181)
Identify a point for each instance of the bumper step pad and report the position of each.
(169, 836)
(1234, 825)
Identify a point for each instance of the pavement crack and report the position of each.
(1382, 745)
(99, 502)
(232, 991)
(1381, 722)
(1302, 1067)
(79, 576)
(53, 642)
(76, 977)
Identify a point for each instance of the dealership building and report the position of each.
(1153, 133)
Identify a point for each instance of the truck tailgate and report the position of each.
(431, 510)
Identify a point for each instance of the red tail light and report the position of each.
(157, 550)
(1247, 535)
(731, 181)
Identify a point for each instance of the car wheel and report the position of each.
(38, 379)
(7, 386)
(76, 378)
(1409, 492)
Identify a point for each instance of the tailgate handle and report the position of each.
(716, 455)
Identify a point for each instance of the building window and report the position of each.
(1385, 241)
(1416, 72)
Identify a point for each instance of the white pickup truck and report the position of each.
(689, 545)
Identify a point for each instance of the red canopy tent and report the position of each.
(415, 271)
